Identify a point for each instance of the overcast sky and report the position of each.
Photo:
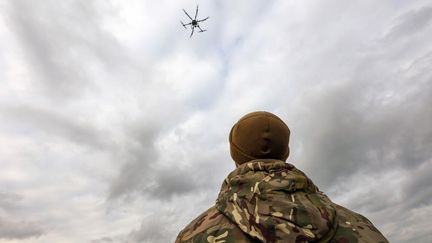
(114, 123)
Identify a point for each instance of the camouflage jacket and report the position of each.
(272, 201)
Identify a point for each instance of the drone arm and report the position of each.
(196, 12)
(201, 30)
(203, 19)
(192, 32)
(187, 14)
(185, 24)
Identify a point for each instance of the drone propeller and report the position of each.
(201, 30)
(184, 25)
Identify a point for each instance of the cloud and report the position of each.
(358, 128)
(411, 231)
(114, 123)
(8, 200)
(102, 240)
(40, 121)
(58, 39)
(170, 163)
(152, 232)
(411, 22)
(10, 229)
(416, 192)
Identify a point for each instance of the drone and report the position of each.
(194, 22)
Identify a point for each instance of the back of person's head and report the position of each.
(259, 135)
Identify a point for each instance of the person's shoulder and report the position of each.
(208, 219)
(354, 227)
(211, 226)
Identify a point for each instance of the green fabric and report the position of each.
(273, 202)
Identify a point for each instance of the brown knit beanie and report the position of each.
(259, 135)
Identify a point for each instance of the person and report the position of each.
(268, 200)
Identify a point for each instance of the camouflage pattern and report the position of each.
(272, 201)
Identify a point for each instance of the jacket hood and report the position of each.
(271, 200)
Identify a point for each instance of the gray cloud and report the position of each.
(416, 192)
(11, 227)
(161, 229)
(411, 22)
(8, 201)
(19, 229)
(171, 182)
(103, 240)
(358, 129)
(151, 172)
(45, 122)
(64, 43)
(150, 232)
(138, 158)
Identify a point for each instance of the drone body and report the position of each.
(194, 22)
